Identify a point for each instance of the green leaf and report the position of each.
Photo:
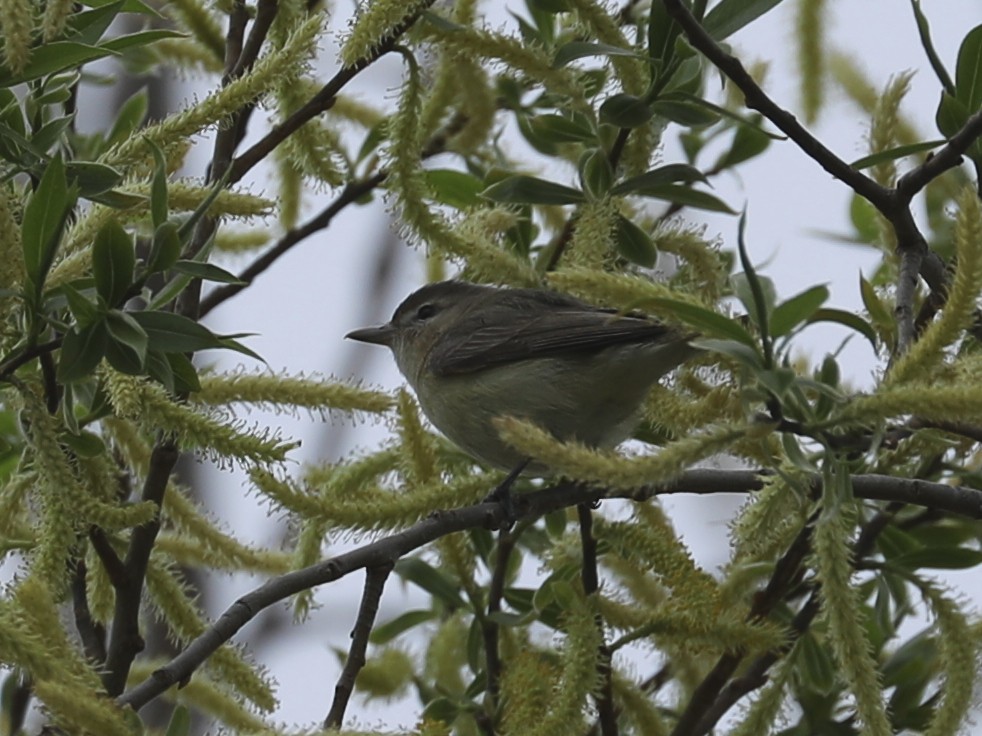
(140, 38)
(174, 333)
(113, 260)
(441, 709)
(81, 351)
(44, 220)
(90, 25)
(968, 71)
(391, 629)
(580, 49)
(817, 669)
(531, 190)
(180, 722)
(433, 581)
(165, 248)
(848, 319)
(158, 186)
(951, 115)
(634, 243)
(129, 118)
(185, 375)
(51, 58)
(50, 133)
(707, 322)
(880, 316)
(739, 351)
(893, 154)
(662, 34)
(625, 111)
(127, 331)
(83, 443)
(748, 141)
(729, 16)
(939, 558)
(864, 219)
(668, 174)
(206, 272)
(159, 369)
(562, 129)
(688, 197)
(595, 172)
(791, 313)
(93, 178)
(685, 113)
(455, 188)
(84, 310)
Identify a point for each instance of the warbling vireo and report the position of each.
(473, 353)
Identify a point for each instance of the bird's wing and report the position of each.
(577, 329)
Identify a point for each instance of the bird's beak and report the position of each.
(381, 335)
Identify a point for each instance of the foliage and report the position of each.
(110, 260)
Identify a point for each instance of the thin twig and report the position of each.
(375, 578)
(489, 628)
(11, 364)
(948, 157)
(90, 632)
(321, 102)
(351, 193)
(606, 712)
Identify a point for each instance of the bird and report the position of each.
(473, 352)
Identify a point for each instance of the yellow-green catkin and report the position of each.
(842, 607)
(418, 450)
(532, 61)
(592, 242)
(275, 68)
(11, 252)
(959, 309)
(810, 35)
(274, 392)
(145, 402)
(446, 655)
(761, 715)
(56, 14)
(622, 291)
(526, 688)
(578, 680)
(17, 25)
(202, 24)
(407, 181)
(959, 658)
(615, 471)
(883, 128)
(387, 674)
(170, 596)
(376, 20)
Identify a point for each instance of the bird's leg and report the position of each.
(502, 492)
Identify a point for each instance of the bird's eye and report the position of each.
(426, 311)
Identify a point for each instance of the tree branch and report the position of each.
(375, 578)
(757, 99)
(954, 499)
